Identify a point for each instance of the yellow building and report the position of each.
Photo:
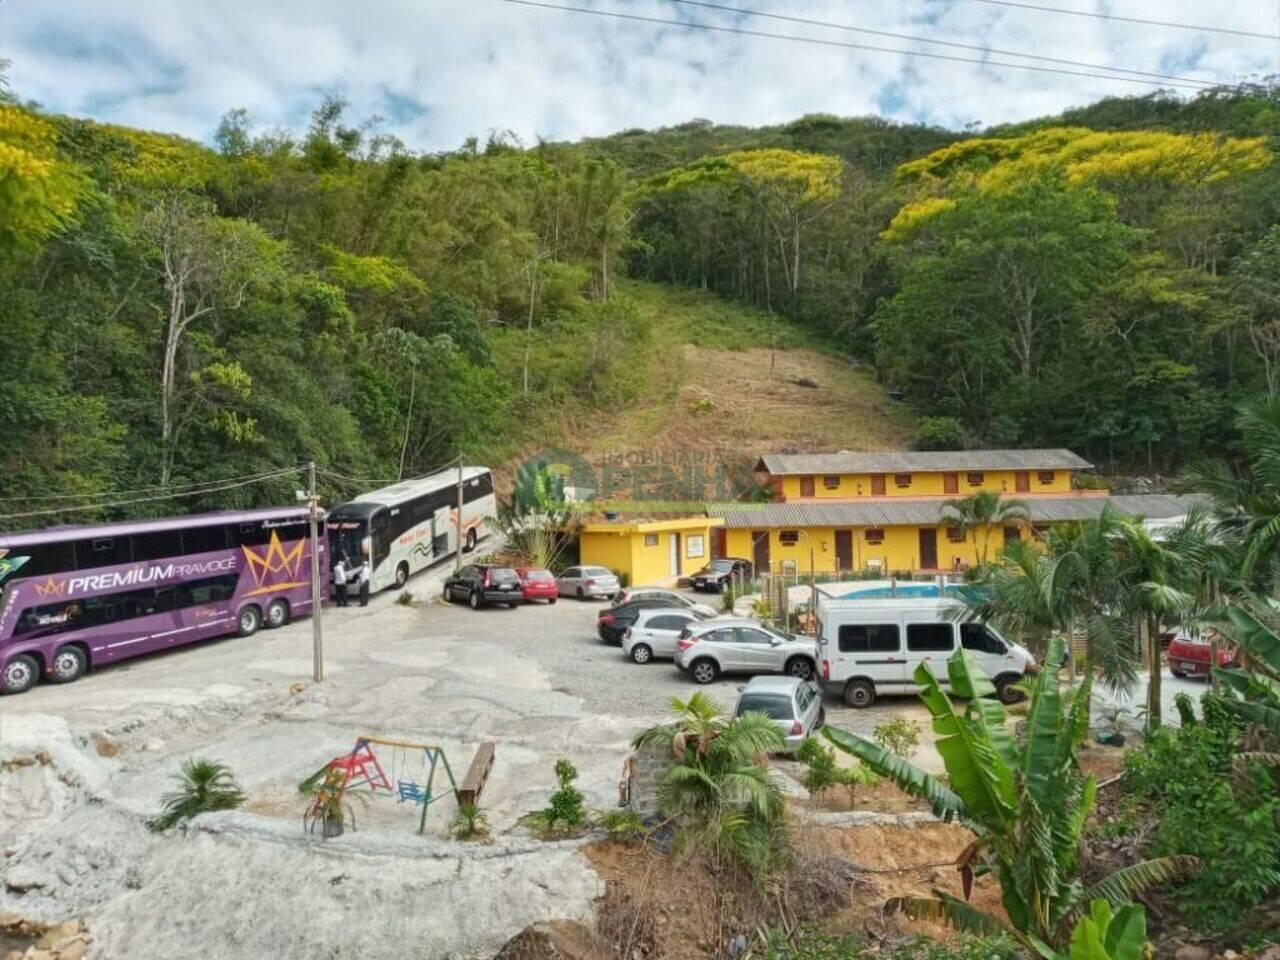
(898, 535)
(912, 473)
(649, 551)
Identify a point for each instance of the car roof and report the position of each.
(727, 621)
(780, 685)
(666, 612)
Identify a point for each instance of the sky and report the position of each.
(436, 72)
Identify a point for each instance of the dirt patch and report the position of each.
(882, 797)
(1103, 762)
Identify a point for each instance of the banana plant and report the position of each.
(1025, 802)
(1103, 935)
(1253, 692)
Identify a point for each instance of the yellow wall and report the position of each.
(925, 485)
(900, 550)
(625, 551)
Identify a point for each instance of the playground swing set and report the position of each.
(412, 778)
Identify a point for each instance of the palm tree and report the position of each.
(1165, 573)
(981, 511)
(717, 790)
(1027, 803)
(203, 786)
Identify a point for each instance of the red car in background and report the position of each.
(537, 584)
(1189, 657)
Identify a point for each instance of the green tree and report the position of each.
(982, 512)
(1026, 801)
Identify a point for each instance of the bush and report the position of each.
(203, 786)
(565, 812)
(899, 735)
(811, 944)
(1185, 776)
(822, 772)
(623, 826)
(469, 823)
(941, 433)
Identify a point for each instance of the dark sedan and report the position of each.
(718, 574)
(613, 622)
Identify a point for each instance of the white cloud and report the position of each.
(441, 71)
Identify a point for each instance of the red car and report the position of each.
(537, 584)
(1190, 658)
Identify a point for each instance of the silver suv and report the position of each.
(743, 645)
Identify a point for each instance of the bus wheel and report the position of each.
(277, 613)
(471, 539)
(402, 575)
(20, 674)
(249, 621)
(69, 663)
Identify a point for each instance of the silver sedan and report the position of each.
(585, 582)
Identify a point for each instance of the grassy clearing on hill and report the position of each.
(686, 370)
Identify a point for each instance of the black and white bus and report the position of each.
(411, 525)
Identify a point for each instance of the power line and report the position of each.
(170, 487)
(942, 43)
(374, 481)
(169, 496)
(1140, 20)
(742, 31)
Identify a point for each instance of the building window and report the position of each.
(650, 539)
(956, 534)
(975, 479)
(695, 545)
(874, 535)
(788, 538)
(831, 483)
(806, 486)
(1045, 476)
(902, 479)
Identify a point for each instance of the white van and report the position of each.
(872, 646)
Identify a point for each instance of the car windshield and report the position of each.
(771, 705)
(596, 572)
(720, 566)
(501, 574)
(539, 575)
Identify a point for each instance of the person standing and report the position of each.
(362, 578)
(340, 580)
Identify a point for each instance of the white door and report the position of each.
(675, 554)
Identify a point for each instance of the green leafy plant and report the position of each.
(823, 773)
(623, 826)
(407, 599)
(717, 791)
(898, 735)
(1026, 802)
(565, 812)
(469, 823)
(203, 786)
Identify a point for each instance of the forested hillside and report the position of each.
(174, 312)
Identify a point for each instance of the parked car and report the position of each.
(717, 574)
(674, 597)
(655, 631)
(743, 645)
(873, 646)
(537, 584)
(1189, 656)
(483, 584)
(584, 582)
(795, 705)
(612, 622)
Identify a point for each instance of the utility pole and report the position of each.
(457, 558)
(317, 640)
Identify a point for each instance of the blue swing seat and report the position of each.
(409, 790)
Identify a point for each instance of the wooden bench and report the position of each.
(473, 783)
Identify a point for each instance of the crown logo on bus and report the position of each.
(276, 560)
(51, 588)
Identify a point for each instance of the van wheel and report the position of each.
(800, 668)
(474, 599)
(1006, 692)
(20, 674)
(471, 540)
(69, 663)
(705, 671)
(249, 621)
(859, 694)
(277, 613)
(402, 575)
(641, 653)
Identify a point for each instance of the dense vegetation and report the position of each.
(175, 313)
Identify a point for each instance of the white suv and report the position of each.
(742, 645)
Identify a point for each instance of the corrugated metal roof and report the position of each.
(906, 512)
(923, 461)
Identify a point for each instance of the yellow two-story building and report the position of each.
(908, 473)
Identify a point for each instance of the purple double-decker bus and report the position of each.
(81, 596)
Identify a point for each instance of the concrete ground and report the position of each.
(86, 764)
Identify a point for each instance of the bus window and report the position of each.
(251, 534)
(204, 539)
(102, 552)
(49, 559)
(160, 545)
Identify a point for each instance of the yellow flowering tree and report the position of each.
(38, 190)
